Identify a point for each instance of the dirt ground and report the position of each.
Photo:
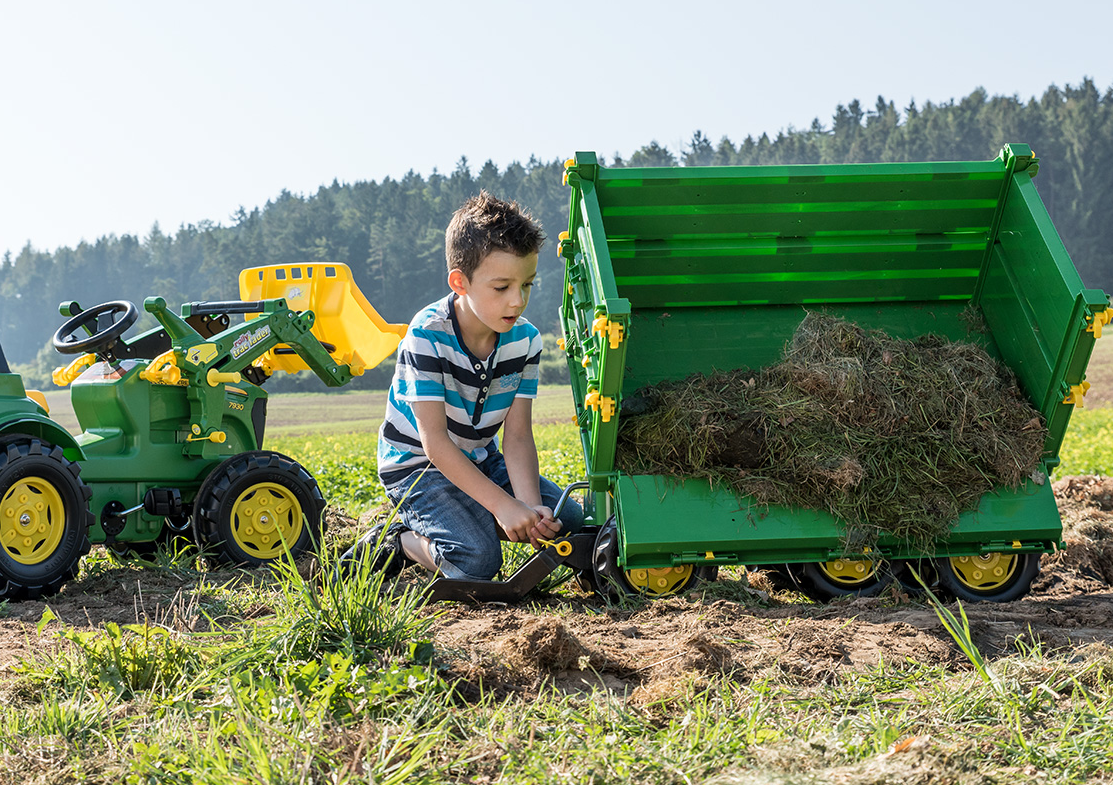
(576, 643)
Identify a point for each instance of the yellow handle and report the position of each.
(216, 436)
(215, 377)
(563, 547)
(63, 376)
(163, 370)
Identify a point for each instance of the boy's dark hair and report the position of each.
(485, 223)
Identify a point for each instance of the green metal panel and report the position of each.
(669, 523)
(713, 268)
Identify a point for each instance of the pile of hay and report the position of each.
(888, 435)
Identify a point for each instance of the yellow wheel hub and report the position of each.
(659, 581)
(849, 572)
(986, 572)
(32, 520)
(263, 517)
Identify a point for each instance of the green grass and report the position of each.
(341, 684)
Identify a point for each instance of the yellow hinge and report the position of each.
(1101, 318)
(1077, 394)
(600, 403)
(613, 330)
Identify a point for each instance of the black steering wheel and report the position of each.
(122, 315)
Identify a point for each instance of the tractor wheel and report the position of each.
(613, 583)
(991, 577)
(257, 505)
(824, 581)
(44, 519)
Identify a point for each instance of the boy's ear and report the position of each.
(457, 282)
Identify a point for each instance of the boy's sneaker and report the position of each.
(390, 559)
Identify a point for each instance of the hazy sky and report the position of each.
(114, 115)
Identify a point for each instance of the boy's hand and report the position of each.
(524, 523)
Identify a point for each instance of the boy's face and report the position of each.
(498, 290)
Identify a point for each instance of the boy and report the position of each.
(468, 366)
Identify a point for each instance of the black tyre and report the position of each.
(904, 571)
(991, 577)
(825, 581)
(44, 519)
(782, 577)
(613, 583)
(257, 505)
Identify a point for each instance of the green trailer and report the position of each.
(674, 271)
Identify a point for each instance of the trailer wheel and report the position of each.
(255, 506)
(613, 583)
(991, 577)
(841, 577)
(902, 571)
(44, 519)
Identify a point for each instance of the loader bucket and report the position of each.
(346, 323)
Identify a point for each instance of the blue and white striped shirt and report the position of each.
(434, 364)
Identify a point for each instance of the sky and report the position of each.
(115, 115)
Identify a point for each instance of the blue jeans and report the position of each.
(464, 534)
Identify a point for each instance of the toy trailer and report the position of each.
(673, 271)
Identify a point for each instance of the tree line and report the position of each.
(391, 233)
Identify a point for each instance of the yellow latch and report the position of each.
(1101, 318)
(355, 363)
(63, 376)
(563, 547)
(219, 437)
(600, 403)
(1077, 394)
(560, 344)
(613, 330)
(163, 370)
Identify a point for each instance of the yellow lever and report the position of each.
(63, 376)
(215, 377)
(163, 369)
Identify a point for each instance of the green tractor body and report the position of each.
(172, 425)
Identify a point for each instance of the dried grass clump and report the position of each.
(890, 436)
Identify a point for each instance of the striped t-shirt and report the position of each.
(434, 364)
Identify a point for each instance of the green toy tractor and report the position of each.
(172, 424)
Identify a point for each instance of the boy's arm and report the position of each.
(516, 518)
(520, 449)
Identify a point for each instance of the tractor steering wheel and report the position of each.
(102, 340)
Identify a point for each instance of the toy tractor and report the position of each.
(172, 425)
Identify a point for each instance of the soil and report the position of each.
(576, 643)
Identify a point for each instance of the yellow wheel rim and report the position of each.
(263, 516)
(986, 572)
(32, 520)
(849, 572)
(659, 581)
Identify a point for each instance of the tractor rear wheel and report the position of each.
(256, 506)
(825, 581)
(613, 583)
(991, 577)
(44, 519)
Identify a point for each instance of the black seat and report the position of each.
(3, 363)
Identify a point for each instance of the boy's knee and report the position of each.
(461, 561)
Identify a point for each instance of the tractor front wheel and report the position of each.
(256, 506)
(44, 519)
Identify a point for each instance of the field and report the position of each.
(178, 672)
